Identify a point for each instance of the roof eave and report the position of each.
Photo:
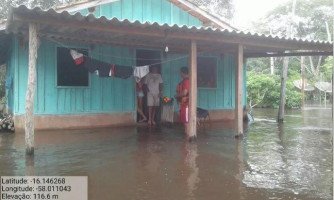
(209, 17)
(256, 43)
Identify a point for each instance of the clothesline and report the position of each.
(105, 69)
(127, 58)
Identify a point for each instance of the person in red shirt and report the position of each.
(182, 96)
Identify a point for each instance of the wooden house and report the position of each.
(130, 32)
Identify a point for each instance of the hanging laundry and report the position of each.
(121, 71)
(140, 72)
(93, 65)
(104, 70)
(77, 57)
(111, 72)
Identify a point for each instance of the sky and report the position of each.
(247, 11)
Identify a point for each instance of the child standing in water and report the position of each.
(140, 96)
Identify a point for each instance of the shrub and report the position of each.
(263, 90)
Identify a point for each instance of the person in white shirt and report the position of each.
(154, 86)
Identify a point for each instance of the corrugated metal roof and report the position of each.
(204, 15)
(13, 25)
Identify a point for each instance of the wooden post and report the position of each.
(191, 130)
(272, 65)
(284, 74)
(333, 99)
(30, 94)
(332, 93)
(238, 91)
(302, 65)
(284, 77)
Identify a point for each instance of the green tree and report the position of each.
(310, 23)
(44, 4)
(312, 18)
(263, 90)
(327, 68)
(223, 8)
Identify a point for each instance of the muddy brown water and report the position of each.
(289, 161)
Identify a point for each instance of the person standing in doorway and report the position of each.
(140, 96)
(154, 86)
(182, 97)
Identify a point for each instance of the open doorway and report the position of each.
(152, 58)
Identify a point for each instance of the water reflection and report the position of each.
(299, 162)
(30, 165)
(272, 161)
(190, 151)
(8, 154)
(166, 166)
(240, 154)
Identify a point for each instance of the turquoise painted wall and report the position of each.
(103, 95)
(222, 97)
(160, 11)
(110, 95)
(10, 74)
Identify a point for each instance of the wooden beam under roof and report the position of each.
(118, 42)
(288, 54)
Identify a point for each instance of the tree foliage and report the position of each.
(263, 90)
(223, 8)
(326, 68)
(309, 22)
(44, 4)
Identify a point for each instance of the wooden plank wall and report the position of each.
(221, 97)
(10, 73)
(108, 95)
(160, 11)
(104, 95)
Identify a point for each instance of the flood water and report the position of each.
(288, 161)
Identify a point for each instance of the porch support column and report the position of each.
(302, 65)
(284, 77)
(30, 94)
(191, 130)
(238, 91)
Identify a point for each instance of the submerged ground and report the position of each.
(289, 161)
